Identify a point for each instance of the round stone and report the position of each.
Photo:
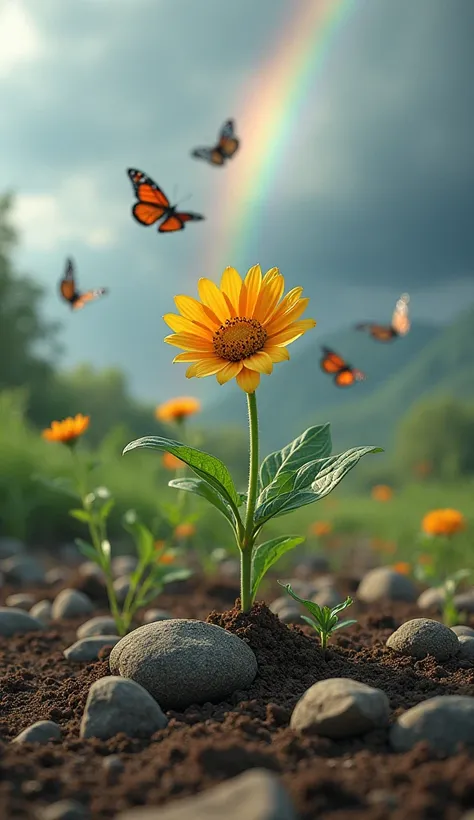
(443, 723)
(40, 732)
(22, 569)
(22, 600)
(152, 615)
(432, 598)
(42, 611)
(87, 649)
(14, 621)
(181, 662)
(100, 625)
(460, 629)
(70, 603)
(116, 705)
(384, 583)
(421, 637)
(466, 648)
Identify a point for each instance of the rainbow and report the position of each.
(269, 112)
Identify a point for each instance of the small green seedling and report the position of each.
(324, 618)
(451, 614)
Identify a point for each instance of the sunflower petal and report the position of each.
(277, 354)
(275, 325)
(270, 274)
(269, 297)
(252, 283)
(181, 324)
(194, 310)
(231, 284)
(206, 368)
(228, 372)
(248, 380)
(291, 333)
(189, 341)
(211, 296)
(261, 362)
(197, 356)
(286, 303)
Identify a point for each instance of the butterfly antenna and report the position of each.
(186, 198)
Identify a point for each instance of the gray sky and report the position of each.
(371, 195)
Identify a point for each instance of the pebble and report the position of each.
(421, 637)
(22, 600)
(288, 615)
(42, 611)
(181, 662)
(340, 708)
(257, 794)
(100, 625)
(442, 722)
(87, 649)
(123, 565)
(10, 547)
(464, 602)
(22, 569)
(70, 603)
(116, 705)
(284, 602)
(315, 563)
(466, 648)
(432, 598)
(57, 575)
(14, 621)
(40, 732)
(460, 629)
(121, 586)
(64, 810)
(88, 569)
(152, 615)
(384, 583)
(113, 764)
(230, 568)
(326, 596)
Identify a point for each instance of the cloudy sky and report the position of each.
(355, 175)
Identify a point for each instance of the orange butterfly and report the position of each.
(152, 205)
(69, 292)
(399, 326)
(225, 149)
(344, 373)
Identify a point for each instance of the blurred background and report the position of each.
(355, 176)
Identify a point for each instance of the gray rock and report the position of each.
(100, 625)
(327, 596)
(230, 568)
(257, 794)
(152, 615)
(181, 662)
(466, 648)
(116, 705)
(90, 570)
(70, 603)
(121, 586)
(310, 564)
(288, 615)
(64, 810)
(40, 732)
(384, 583)
(462, 630)
(284, 602)
(22, 569)
(443, 722)
(123, 565)
(22, 600)
(42, 611)
(14, 621)
(113, 764)
(432, 598)
(87, 649)
(57, 575)
(9, 547)
(421, 637)
(464, 602)
(340, 708)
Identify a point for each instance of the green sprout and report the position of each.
(324, 619)
(451, 613)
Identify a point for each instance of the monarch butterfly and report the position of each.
(225, 149)
(399, 326)
(152, 205)
(69, 292)
(344, 373)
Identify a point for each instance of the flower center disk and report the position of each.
(239, 338)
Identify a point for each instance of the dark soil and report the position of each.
(360, 779)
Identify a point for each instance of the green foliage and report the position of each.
(266, 554)
(324, 618)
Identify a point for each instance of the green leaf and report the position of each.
(342, 624)
(142, 536)
(314, 480)
(176, 575)
(106, 509)
(89, 551)
(266, 554)
(200, 487)
(313, 443)
(80, 515)
(207, 467)
(310, 622)
(61, 485)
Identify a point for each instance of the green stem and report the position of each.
(246, 545)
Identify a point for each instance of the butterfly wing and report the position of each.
(400, 318)
(152, 202)
(331, 362)
(67, 285)
(347, 377)
(211, 155)
(89, 296)
(382, 333)
(176, 221)
(228, 143)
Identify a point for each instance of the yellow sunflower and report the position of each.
(240, 329)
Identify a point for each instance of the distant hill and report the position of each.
(299, 394)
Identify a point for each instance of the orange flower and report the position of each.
(177, 409)
(167, 558)
(403, 567)
(68, 430)
(425, 559)
(240, 329)
(321, 528)
(443, 522)
(185, 530)
(382, 492)
(171, 462)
